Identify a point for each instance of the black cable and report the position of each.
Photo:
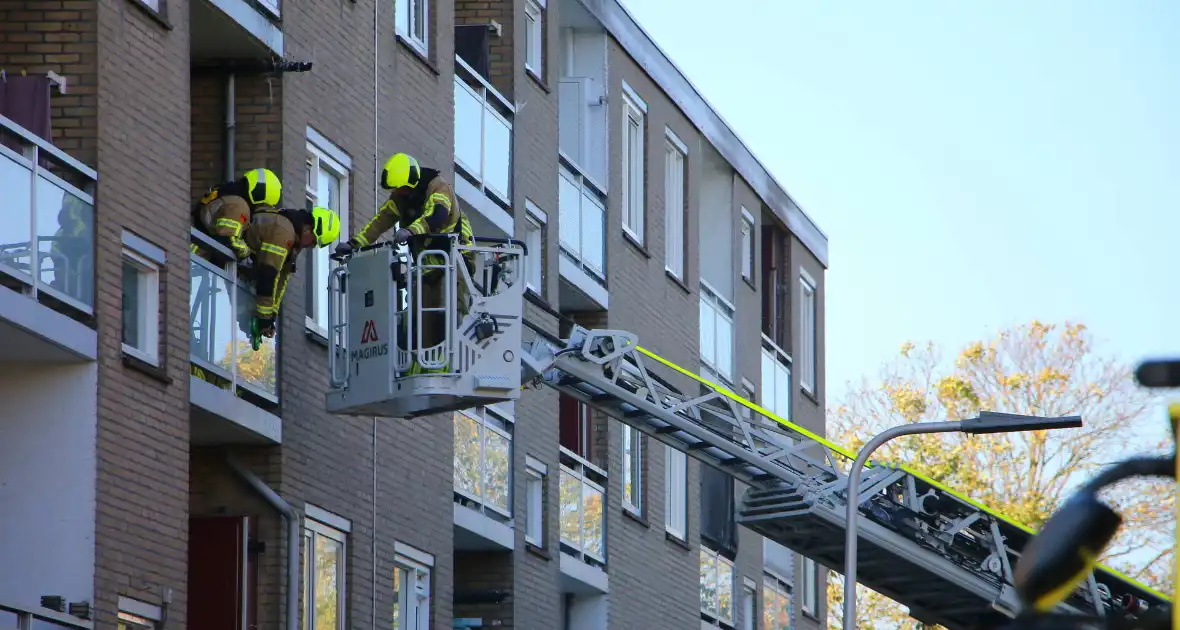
(1164, 466)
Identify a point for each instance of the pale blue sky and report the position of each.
(974, 164)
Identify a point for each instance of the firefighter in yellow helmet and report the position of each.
(422, 202)
(225, 212)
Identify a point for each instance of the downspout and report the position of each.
(230, 123)
(294, 535)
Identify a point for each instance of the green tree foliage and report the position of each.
(1036, 369)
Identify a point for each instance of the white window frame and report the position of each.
(715, 560)
(776, 359)
(633, 167)
(149, 307)
(408, 30)
(747, 246)
(506, 418)
(535, 223)
(675, 493)
(749, 604)
(138, 615)
(722, 311)
(809, 597)
(417, 566)
(536, 473)
(675, 242)
(322, 154)
(336, 528)
(632, 466)
(271, 6)
(808, 333)
(534, 37)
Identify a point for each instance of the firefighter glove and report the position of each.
(343, 249)
(402, 236)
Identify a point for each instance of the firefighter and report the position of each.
(422, 203)
(276, 237)
(225, 212)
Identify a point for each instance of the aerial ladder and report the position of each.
(949, 559)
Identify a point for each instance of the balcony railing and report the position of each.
(41, 619)
(483, 134)
(47, 205)
(483, 463)
(583, 519)
(221, 308)
(582, 221)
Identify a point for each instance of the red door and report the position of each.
(217, 570)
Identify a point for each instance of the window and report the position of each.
(483, 460)
(534, 532)
(534, 40)
(141, 307)
(747, 246)
(676, 492)
(716, 333)
(581, 206)
(749, 614)
(632, 469)
(716, 586)
(324, 556)
(807, 331)
(327, 186)
(412, 17)
(810, 586)
(776, 380)
(776, 603)
(534, 239)
(411, 582)
(633, 166)
(675, 157)
(137, 615)
(272, 6)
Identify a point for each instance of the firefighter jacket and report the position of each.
(272, 237)
(227, 219)
(431, 209)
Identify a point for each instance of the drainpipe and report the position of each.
(294, 536)
(230, 123)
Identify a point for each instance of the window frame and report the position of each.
(406, 32)
(809, 593)
(148, 287)
(717, 561)
(675, 259)
(679, 528)
(536, 472)
(338, 530)
(413, 562)
(808, 331)
(136, 614)
(780, 360)
(339, 166)
(632, 462)
(783, 592)
(748, 247)
(749, 604)
(534, 55)
(724, 310)
(536, 221)
(633, 168)
(481, 417)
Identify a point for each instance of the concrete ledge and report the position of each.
(476, 532)
(496, 216)
(31, 331)
(581, 578)
(254, 22)
(587, 286)
(219, 417)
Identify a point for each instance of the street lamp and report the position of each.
(986, 422)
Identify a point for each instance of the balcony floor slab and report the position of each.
(476, 532)
(31, 332)
(219, 417)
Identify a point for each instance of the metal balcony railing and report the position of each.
(582, 495)
(40, 619)
(483, 133)
(483, 463)
(47, 235)
(582, 220)
(221, 308)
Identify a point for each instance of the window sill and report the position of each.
(152, 13)
(143, 367)
(630, 238)
(537, 551)
(750, 283)
(315, 335)
(809, 394)
(537, 80)
(679, 542)
(413, 50)
(677, 281)
(631, 514)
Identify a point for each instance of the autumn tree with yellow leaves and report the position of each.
(1035, 369)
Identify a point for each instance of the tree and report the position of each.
(1036, 369)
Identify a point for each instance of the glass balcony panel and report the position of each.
(782, 391)
(783, 607)
(255, 368)
(497, 163)
(725, 347)
(65, 235)
(569, 203)
(16, 230)
(708, 582)
(571, 497)
(211, 316)
(724, 590)
(592, 520)
(468, 128)
(497, 462)
(593, 233)
(467, 438)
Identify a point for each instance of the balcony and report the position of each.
(582, 225)
(45, 618)
(235, 29)
(483, 150)
(46, 250)
(234, 388)
(483, 481)
(582, 495)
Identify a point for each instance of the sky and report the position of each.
(974, 165)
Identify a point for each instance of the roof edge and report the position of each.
(660, 67)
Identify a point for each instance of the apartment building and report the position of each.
(155, 471)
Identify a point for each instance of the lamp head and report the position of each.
(1065, 551)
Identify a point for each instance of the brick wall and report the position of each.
(143, 446)
(501, 55)
(258, 132)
